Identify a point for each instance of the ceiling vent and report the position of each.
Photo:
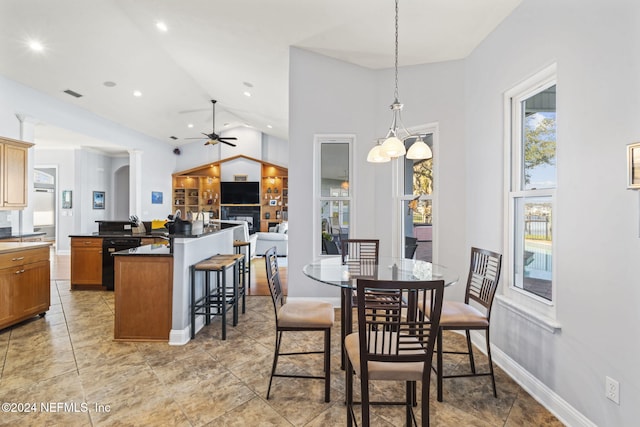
(173, 137)
(72, 93)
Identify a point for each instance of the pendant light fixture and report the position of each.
(393, 145)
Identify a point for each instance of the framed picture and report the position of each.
(273, 202)
(156, 197)
(98, 200)
(633, 166)
(67, 199)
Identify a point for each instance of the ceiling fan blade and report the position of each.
(232, 138)
(228, 143)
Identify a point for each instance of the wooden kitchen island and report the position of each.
(152, 289)
(25, 288)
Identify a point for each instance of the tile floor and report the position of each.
(68, 358)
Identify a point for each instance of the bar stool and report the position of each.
(222, 296)
(238, 245)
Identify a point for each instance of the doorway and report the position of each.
(44, 201)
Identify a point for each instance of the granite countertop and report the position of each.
(198, 232)
(146, 250)
(155, 233)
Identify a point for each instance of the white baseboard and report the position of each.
(559, 407)
(183, 336)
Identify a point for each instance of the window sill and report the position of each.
(538, 319)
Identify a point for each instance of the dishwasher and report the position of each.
(109, 246)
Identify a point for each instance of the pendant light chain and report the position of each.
(396, 58)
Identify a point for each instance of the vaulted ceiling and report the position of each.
(217, 49)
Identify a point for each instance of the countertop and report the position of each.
(21, 246)
(146, 250)
(108, 234)
(199, 232)
(25, 235)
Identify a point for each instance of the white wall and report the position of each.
(326, 96)
(249, 143)
(596, 46)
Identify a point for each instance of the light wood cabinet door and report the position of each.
(31, 289)
(86, 265)
(5, 296)
(24, 285)
(14, 174)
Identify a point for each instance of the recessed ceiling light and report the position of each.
(247, 93)
(36, 46)
(270, 127)
(109, 84)
(161, 26)
(137, 93)
(190, 125)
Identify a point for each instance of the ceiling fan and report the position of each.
(214, 138)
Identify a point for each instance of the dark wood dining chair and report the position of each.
(482, 282)
(394, 342)
(361, 257)
(298, 316)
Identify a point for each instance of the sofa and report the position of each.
(276, 236)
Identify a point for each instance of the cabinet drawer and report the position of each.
(28, 256)
(86, 242)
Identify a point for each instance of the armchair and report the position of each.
(276, 236)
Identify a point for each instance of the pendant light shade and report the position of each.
(376, 156)
(393, 147)
(419, 150)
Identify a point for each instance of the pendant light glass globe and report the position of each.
(393, 147)
(419, 150)
(375, 155)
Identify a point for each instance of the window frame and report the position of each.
(400, 198)
(318, 199)
(543, 310)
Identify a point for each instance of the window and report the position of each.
(334, 185)
(417, 204)
(531, 196)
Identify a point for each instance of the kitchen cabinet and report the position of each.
(143, 297)
(24, 282)
(86, 262)
(14, 157)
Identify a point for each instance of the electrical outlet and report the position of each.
(612, 389)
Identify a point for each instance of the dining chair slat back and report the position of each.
(361, 257)
(394, 342)
(300, 316)
(482, 282)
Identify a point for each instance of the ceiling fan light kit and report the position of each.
(214, 138)
(393, 146)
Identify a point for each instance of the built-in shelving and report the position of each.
(198, 190)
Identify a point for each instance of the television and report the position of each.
(240, 193)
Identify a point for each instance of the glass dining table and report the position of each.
(331, 271)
